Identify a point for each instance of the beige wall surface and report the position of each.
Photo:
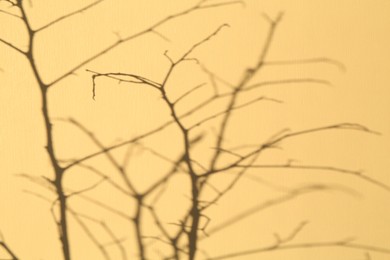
(328, 63)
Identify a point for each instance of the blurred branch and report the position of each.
(287, 81)
(345, 243)
(192, 234)
(220, 4)
(13, 46)
(113, 161)
(174, 168)
(189, 92)
(106, 207)
(90, 234)
(9, 251)
(321, 168)
(275, 140)
(112, 147)
(248, 75)
(10, 14)
(291, 195)
(231, 109)
(106, 177)
(93, 186)
(115, 240)
(325, 60)
(64, 17)
(12, 3)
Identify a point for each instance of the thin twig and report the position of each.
(67, 16)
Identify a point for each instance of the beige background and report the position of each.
(353, 32)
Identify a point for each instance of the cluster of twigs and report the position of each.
(184, 242)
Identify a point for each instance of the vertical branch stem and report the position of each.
(138, 231)
(195, 213)
(58, 171)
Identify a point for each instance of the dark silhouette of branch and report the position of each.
(112, 147)
(232, 104)
(195, 224)
(152, 28)
(139, 197)
(58, 171)
(117, 75)
(74, 193)
(148, 133)
(274, 141)
(13, 46)
(136, 195)
(195, 214)
(79, 219)
(7, 248)
(248, 75)
(189, 92)
(29, 54)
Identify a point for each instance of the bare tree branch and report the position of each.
(122, 171)
(109, 148)
(117, 75)
(95, 185)
(106, 177)
(13, 46)
(189, 92)
(8, 250)
(278, 139)
(346, 244)
(248, 75)
(196, 223)
(131, 37)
